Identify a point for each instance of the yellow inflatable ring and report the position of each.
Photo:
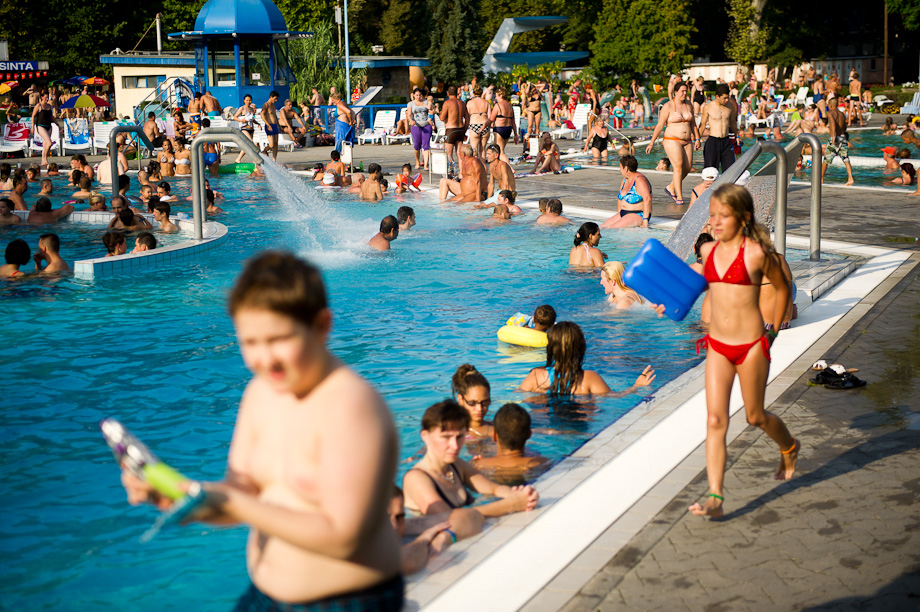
(522, 336)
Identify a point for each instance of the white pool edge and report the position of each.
(507, 565)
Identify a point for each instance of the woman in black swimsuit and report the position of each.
(42, 119)
(502, 121)
(533, 95)
(440, 481)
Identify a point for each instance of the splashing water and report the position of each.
(330, 235)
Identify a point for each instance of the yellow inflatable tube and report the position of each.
(522, 336)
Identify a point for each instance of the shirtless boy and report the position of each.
(6, 213)
(270, 120)
(553, 214)
(291, 123)
(470, 188)
(456, 121)
(161, 215)
(48, 247)
(839, 141)
(723, 125)
(307, 424)
(510, 431)
(500, 172)
(371, 189)
(389, 231)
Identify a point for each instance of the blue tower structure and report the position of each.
(241, 48)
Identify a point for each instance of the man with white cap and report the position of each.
(710, 174)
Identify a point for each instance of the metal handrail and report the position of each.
(157, 97)
(814, 243)
(113, 149)
(205, 135)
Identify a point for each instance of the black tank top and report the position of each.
(44, 117)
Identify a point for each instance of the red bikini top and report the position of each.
(736, 274)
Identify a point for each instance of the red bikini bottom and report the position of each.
(735, 353)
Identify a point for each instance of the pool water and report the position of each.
(158, 352)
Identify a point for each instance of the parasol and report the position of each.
(84, 101)
(7, 86)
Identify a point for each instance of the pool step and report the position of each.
(815, 278)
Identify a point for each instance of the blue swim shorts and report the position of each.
(272, 129)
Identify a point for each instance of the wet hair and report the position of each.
(447, 415)
(384, 184)
(742, 205)
(163, 207)
(45, 182)
(43, 204)
(512, 426)
(543, 204)
(373, 167)
(209, 196)
(407, 167)
(152, 202)
(613, 271)
(147, 239)
(555, 206)
(565, 351)
(508, 195)
(52, 242)
(85, 183)
(667, 162)
(466, 377)
(588, 228)
(544, 316)
(629, 162)
(112, 240)
(281, 283)
(700, 241)
(722, 89)
(335, 155)
(124, 182)
(388, 224)
(166, 187)
(909, 169)
(501, 211)
(126, 216)
(403, 214)
(18, 252)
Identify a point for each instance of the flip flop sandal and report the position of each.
(847, 381)
(679, 202)
(671, 195)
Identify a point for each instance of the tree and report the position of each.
(316, 62)
(747, 37)
(403, 28)
(455, 53)
(909, 10)
(650, 37)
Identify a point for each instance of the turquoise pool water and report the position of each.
(159, 353)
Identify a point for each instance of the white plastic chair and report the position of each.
(76, 137)
(15, 138)
(398, 138)
(384, 121)
(579, 120)
(35, 144)
(440, 134)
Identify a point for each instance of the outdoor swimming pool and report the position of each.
(159, 353)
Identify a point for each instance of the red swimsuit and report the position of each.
(736, 274)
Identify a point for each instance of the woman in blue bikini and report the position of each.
(634, 200)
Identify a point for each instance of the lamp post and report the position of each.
(347, 59)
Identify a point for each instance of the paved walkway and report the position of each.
(843, 534)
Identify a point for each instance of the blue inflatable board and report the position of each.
(661, 277)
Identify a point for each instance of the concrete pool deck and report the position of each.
(843, 533)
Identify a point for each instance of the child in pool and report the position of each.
(511, 462)
(543, 318)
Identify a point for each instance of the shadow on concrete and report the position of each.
(874, 449)
(902, 593)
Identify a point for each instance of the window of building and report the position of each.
(142, 82)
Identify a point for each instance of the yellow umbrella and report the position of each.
(7, 86)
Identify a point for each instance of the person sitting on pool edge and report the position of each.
(389, 231)
(511, 464)
(49, 246)
(439, 482)
(553, 214)
(472, 186)
(563, 373)
(115, 244)
(435, 532)
(161, 212)
(145, 241)
(406, 218)
(42, 212)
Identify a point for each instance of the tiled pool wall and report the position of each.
(213, 234)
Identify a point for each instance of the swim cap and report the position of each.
(329, 179)
(710, 173)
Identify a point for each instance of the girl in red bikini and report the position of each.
(735, 265)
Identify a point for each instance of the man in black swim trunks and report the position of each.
(456, 121)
